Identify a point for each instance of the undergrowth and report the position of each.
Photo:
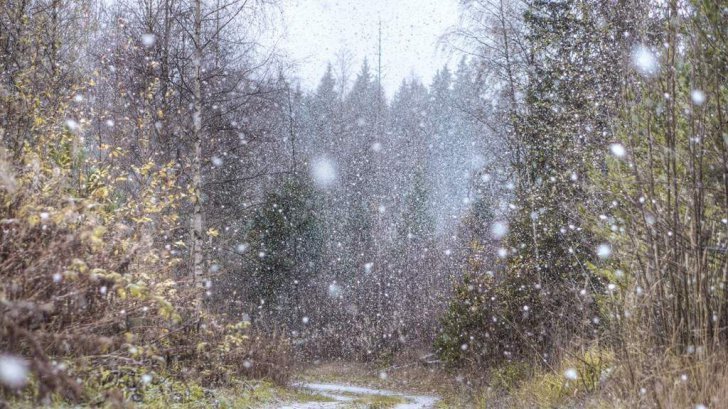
(92, 300)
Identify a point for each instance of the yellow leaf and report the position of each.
(33, 220)
(135, 290)
(79, 265)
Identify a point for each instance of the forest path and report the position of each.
(343, 396)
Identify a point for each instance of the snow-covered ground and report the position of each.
(342, 394)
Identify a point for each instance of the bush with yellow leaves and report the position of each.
(90, 299)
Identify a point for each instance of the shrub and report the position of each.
(492, 320)
(88, 292)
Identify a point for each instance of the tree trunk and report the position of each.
(196, 224)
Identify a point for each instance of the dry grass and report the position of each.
(669, 382)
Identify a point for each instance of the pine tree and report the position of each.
(286, 239)
(560, 135)
(544, 294)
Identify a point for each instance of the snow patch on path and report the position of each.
(335, 391)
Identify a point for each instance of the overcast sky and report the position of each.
(315, 30)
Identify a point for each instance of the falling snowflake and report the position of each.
(241, 248)
(13, 371)
(604, 250)
(72, 125)
(697, 96)
(334, 290)
(645, 61)
(571, 374)
(148, 40)
(323, 172)
(498, 230)
(618, 150)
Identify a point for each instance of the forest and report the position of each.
(543, 223)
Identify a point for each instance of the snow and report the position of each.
(618, 150)
(148, 40)
(309, 189)
(72, 125)
(645, 61)
(498, 230)
(13, 371)
(323, 172)
(342, 394)
(604, 251)
(571, 374)
(698, 97)
(334, 290)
